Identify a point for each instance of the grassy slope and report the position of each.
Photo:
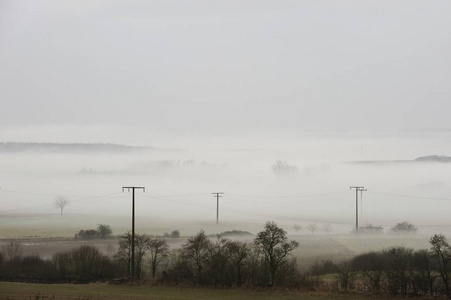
(104, 291)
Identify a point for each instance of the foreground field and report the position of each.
(104, 291)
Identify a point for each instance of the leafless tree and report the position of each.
(297, 227)
(158, 252)
(327, 228)
(240, 251)
(346, 274)
(197, 250)
(124, 256)
(441, 251)
(61, 202)
(274, 245)
(312, 228)
(12, 251)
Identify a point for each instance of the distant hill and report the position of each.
(68, 148)
(434, 158)
(429, 158)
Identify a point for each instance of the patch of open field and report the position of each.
(9, 290)
(54, 225)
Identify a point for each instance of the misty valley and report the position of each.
(304, 195)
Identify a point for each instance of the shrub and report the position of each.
(323, 267)
(404, 228)
(371, 266)
(175, 234)
(370, 229)
(87, 234)
(104, 231)
(84, 263)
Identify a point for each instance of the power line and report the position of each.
(46, 206)
(410, 196)
(195, 204)
(172, 199)
(181, 195)
(293, 196)
(182, 202)
(48, 194)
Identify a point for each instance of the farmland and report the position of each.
(47, 235)
(144, 291)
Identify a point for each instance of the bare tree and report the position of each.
(441, 251)
(197, 250)
(297, 227)
(275, 247)
(158, 252)
(312, 228)
(61, 202)
(124, 256)
(327, 228)
(346, 274)
(12, 251)
(240, 252)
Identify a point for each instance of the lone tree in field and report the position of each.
(297, 227)
(312, 228)
(327, 228)
(61, 202)
(273, 243)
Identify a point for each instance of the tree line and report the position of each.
(396, 270)
(267, 261)
(200, 261)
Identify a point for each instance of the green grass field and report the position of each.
(96, 291)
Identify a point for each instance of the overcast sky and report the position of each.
(191, 65)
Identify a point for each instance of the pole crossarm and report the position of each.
(128, 188)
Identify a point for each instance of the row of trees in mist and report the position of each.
(280, 167)
(200, 261)
(220, 262)
(396, 271)
(400, 228)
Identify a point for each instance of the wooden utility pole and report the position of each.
(217, 205)
(133, 188)
(357, 190)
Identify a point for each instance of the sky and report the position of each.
(225, 66)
